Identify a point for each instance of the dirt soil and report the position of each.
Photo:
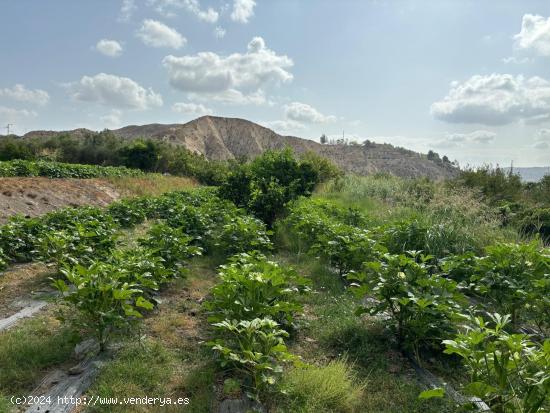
(37, 196)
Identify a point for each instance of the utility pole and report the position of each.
(8, 128)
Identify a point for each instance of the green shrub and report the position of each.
(102, 297)
(323, 389)
(255, 349)
(421, 306)
(266, 185)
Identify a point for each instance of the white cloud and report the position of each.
(115, 91)
(456, 140)
(20, 93)
(496, 99)
(166, 7)
(243, 10)
(534, 34)
(235, 78)
(10, 115)
(110, 48)
(156, 34)
(126, 10)
(516, 60)
(219, 32)
(284, 127)
(112, 120)
(191, 109)
(302, 112)
(542, 139)
(480, 136)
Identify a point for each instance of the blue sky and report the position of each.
(470, 79)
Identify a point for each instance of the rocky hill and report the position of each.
(220, 138)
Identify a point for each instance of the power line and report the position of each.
(8, 127)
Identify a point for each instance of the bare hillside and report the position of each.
(220, 138)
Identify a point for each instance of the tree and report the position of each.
(324, 139)
(141, 154)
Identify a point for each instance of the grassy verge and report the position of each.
(29, 351)
(150, 184)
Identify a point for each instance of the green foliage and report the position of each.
(140, 154)
(103, 296)
(323, 167)
(3, 260)
(514, 277)
(421, 306)
(241, 234)
(346, 247)
(255, 349)
(173, 245)
(266, 185)
(509, 372)
(28, 350)
(254, 287)
(535, 221)
(51, 169)
(104, 148)
(324, 389)
(128, 212)
(494, 183)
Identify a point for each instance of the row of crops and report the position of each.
(492, 311)
(111, 288)
(52, 169)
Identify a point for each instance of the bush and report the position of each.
(266, 185)
(323, 389)
(421, 306)
(103, 297)
(255, 349)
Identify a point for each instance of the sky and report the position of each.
(466, 78)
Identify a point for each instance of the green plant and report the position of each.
(421, 306)
(254, 287)
(103, 297)
(346, 247)
(173, 245)
(241, 234)
(255, 349)
(508, 274)
(128, 212)
(508, 371)
(51, 169)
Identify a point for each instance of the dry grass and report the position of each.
(150, 184)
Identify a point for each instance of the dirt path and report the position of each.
(36, 196)
(22, 286)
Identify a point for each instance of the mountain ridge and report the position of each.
(220, 138)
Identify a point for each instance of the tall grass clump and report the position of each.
(329, 388)
(421, 214)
